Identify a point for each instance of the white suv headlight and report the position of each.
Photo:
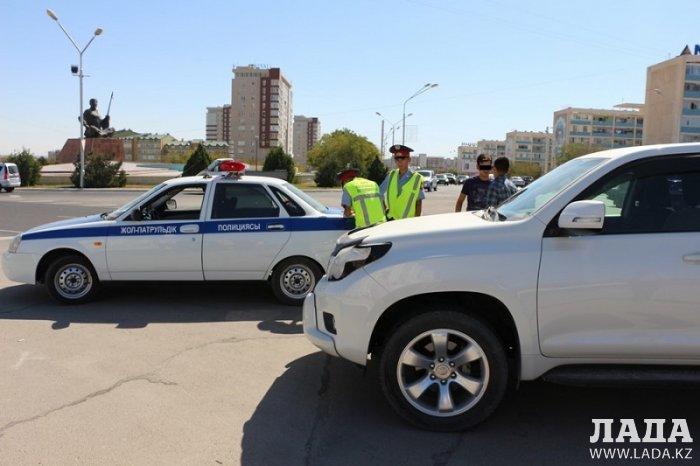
(14, 244)
(352, 258)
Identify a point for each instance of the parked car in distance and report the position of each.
(451, 178)
(528, 180)
(461, 179)
(9, 177)
(429, 180)
(601, 288)
(518, 181)
(442, 178)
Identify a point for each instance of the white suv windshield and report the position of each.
(539, 192)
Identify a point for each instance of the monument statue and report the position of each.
(95, 125)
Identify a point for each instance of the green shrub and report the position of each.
(277, 160)
(198, 161)
(100, 172)
(28, 165)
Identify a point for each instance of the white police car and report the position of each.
(201, 228)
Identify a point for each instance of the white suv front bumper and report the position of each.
(321, 339)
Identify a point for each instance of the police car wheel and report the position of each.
(443, 370)
(293, 279)
(71, 280)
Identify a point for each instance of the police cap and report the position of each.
(400, 149)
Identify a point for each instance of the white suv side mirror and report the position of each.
(583, 215)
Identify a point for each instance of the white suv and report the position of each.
(9, 177)
(591, 273)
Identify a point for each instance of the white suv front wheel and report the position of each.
(444, 370)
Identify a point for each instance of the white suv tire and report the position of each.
(446, 386)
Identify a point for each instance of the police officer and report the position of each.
(402, 188)
(361, 197)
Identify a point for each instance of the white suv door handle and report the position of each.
(275, 226)
(692, 258)
(189, 229)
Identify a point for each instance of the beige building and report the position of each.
(218, 123)
(180, 151)
(261, 112)
(672, 100)
(530, 146)
(622, 126)
(145, 147)
(466, 158)
(492, 148)
(307, 132)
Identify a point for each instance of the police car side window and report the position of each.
(238, 200)
(292, 208)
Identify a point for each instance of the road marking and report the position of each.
(25, 357)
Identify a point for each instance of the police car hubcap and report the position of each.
(73, 281)
(442, 372)
(297, 281)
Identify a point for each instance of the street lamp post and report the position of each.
(97, 32)
(420, 91)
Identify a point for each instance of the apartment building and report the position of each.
(466, 158)
(530, 146)
(491, 147)
(180, 151)
(622, 126)
(672, 100)
(261, 112)
(145, 147)
(218, 123)
(307, 132)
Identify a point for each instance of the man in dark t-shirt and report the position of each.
(475, 188)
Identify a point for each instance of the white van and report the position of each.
(9, 177)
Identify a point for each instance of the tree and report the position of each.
(28, 166)
(198, 161)
(576, 149)
(100, 172)
(519, 168)
(42, 161)
(277, 160)
(376, 171)
(338, 150)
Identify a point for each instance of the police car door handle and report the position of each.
(275, 226)
(189, 228)
(692, 258)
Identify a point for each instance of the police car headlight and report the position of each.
(352, 258)
(14, 244)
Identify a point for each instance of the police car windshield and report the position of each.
(540, 191)
(306, 198)
(131, 204)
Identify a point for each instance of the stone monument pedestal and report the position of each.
(111, 148)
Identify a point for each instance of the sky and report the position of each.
(500, 64)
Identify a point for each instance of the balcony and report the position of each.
(577, 121)
(692, 94)
(691, 111)
(690, 129)
(601, 123)
(690, 76)
(624, 124)
(579, 133)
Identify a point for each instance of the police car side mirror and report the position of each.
(171, 204)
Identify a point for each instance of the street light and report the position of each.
(394, 127)
(97, 32)
(420, 91)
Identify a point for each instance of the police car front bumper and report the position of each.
(319, 338)
(18, 267)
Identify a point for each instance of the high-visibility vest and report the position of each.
(366, 202)
(403, 205)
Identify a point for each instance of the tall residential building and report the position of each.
(307, 132)
(492, 148)
(530, 146)
(261, 112)
(218, 123)
(672, 100)
(622, 126)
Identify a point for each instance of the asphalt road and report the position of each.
(222, 374)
